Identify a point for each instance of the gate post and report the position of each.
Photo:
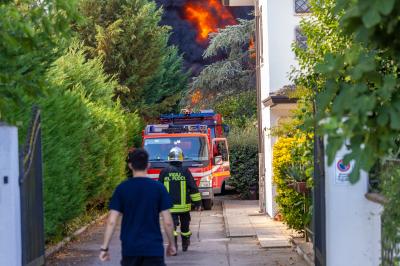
(319, 208)
(10, 217)
(353, 223)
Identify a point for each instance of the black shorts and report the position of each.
(142, 261)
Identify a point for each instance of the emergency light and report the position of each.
(163, 128)
(202, 114)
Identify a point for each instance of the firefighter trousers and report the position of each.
(182, 219)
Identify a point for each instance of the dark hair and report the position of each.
(139, 159)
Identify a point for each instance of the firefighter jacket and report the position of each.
(182, 188)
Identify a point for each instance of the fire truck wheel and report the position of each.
(223, 191)
(207, 204)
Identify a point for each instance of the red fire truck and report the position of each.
(202, 137)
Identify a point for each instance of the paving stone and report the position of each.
(241, 219)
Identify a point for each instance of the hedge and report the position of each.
(85, 138)
(65, 125)
(103, 164)
(243, 150)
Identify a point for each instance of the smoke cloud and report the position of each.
(186, 34)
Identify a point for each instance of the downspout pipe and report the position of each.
(259, 105)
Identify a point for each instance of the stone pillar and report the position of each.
(353, 223)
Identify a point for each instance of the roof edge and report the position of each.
(274, 100)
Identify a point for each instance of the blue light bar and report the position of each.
(193, 115)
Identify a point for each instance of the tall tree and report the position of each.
(127, 35)
(234, 70)
(165, 89)
(30, 36)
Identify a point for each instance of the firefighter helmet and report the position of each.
(175, 155)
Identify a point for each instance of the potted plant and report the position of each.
(296, 177)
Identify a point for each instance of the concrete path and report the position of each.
(242, 218)
(210, 247)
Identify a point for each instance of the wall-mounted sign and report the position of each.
(342, 171)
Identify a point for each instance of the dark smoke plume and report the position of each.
(184, 33)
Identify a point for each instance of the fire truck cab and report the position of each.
(205, 149)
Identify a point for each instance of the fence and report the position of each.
(31, 188)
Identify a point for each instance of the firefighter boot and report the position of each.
(185, 243)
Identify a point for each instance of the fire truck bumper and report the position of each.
(206, 193)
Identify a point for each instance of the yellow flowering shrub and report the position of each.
(289, 152)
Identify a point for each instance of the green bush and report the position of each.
(65, 125)
(103, 161)
(289, 152)
(109, 127)
(244, 160)
(85, 139)
(238, 110)
(390, 185)
(31, 36)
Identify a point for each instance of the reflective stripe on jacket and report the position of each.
(182, 188)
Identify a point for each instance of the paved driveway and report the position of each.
(210, 247)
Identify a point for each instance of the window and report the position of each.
(194, 148)
(301, 6)
(221, 149)
(301, 40)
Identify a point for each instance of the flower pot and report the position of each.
(301, 187)
(292, 185)
(278, 217)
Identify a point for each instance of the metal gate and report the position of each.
(319, 218)
(31, 187)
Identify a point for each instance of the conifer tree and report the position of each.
(164, 92)
(30, 36)
(128, 37)
(235, 72)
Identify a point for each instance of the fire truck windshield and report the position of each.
(194, 148)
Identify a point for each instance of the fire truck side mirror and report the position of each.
(218, 160)
(226, 129)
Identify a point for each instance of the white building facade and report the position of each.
(351, 224)
(277, 23)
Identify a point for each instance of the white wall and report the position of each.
(279, 23)
(272, 116)
(353, 225)
(268, 140)
(278, 34)
(10, 219)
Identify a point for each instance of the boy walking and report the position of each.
(140, 201)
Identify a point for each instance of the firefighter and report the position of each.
(183, 190)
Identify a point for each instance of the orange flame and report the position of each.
(207, 16)
(196, 97)
(252, 49)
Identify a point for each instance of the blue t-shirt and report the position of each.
(140, 200)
